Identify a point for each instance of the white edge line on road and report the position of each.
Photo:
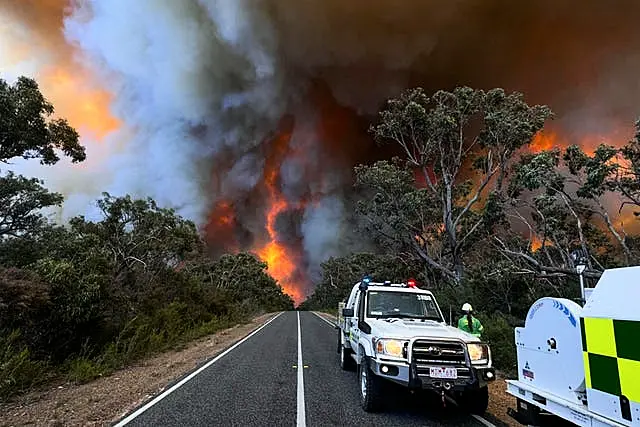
(477, 417)
(482, 420)
(323, 318)
(190, 376)
(302, 417)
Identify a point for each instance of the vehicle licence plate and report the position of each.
(447, 373)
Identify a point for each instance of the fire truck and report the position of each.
(396, 333)
(580, 362)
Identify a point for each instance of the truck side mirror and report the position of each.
(347, 312)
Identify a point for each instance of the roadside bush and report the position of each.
(96, 296)
(18, 370)
(499, 332)
(82, 370)
(24, 305)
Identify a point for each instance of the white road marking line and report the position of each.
(193, 374)
(482, 420)
(323, 318)
(302, 417)
(477, 417)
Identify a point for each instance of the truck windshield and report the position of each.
(402, 305)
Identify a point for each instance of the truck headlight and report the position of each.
(478, 353)
(390, 347)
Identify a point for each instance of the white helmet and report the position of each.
(467, 307)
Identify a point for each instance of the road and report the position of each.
(256, 383)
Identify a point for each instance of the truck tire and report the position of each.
(474, 401)
(370, 388)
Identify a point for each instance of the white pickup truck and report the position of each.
(396, 332)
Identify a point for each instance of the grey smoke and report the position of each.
(200, 83)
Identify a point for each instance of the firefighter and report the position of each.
(469, 323)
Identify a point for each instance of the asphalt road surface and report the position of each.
(257, 382)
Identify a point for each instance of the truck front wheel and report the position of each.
(370, 388)
(474, 401)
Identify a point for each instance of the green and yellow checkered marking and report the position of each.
(611, 351)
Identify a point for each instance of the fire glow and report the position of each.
(84, 107)
(268, 243)
(360, 63)
(276, 254)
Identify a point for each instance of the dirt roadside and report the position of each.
(499, 399)
(105, 400)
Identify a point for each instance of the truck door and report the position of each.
(354, 332)
(358, 319)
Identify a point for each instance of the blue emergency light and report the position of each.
(364, 283)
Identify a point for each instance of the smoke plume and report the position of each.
(206, 89)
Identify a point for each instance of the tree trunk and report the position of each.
(458, 268)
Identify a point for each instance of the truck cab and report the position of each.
(395, 332)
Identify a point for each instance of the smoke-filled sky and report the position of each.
(182, 100)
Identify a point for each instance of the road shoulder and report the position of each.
(105, 400)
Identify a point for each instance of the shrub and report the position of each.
(499, 332)
(82, 370)
(18, 371)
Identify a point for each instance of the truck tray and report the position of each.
(576, 414)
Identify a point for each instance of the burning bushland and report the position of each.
(253, 127)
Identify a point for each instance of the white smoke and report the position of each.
(198, 84)
(199, 81)
(193, 80)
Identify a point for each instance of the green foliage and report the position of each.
(27, 129)
(244, 278)
(81, 370)
(96, 296)
(93, 296)
(18, 370)
(393, 211)
(501, 228)
(559, 196)
(21, 200)
(499, 333)
(172, 325)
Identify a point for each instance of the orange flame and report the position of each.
(544, 141)
(536, 243)
(547, 140)
(280, 262)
